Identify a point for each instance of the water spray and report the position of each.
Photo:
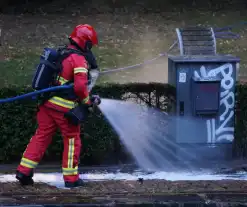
(144, 132)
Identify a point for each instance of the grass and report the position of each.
(125, 39)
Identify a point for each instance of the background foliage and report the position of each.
(101, 144)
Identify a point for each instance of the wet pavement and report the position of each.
(126, 185)
(215, 194)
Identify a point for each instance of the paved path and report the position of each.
(129, 192)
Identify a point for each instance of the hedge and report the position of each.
(240, 141)
(101, 144)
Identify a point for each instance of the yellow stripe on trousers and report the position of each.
(28, 163)
(71, 153)
(70, 171)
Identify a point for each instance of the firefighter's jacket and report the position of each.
(75, 69)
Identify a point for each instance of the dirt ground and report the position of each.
(127, 191)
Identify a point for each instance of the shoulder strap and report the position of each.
(90, 58)
(64, 52)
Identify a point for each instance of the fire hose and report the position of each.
(34, 94)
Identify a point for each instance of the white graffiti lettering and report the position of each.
(228, 106)
(221, 129)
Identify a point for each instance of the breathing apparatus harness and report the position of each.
(49, 70)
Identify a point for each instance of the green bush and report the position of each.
(18, 124)
(240, 141)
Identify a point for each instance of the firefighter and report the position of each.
(51, 114)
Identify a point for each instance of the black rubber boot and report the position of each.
(24, 179)
(75, 184)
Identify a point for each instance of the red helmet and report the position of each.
(84, 36)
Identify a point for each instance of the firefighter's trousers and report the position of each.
(48, 122)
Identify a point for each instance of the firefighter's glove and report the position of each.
(95, 100)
